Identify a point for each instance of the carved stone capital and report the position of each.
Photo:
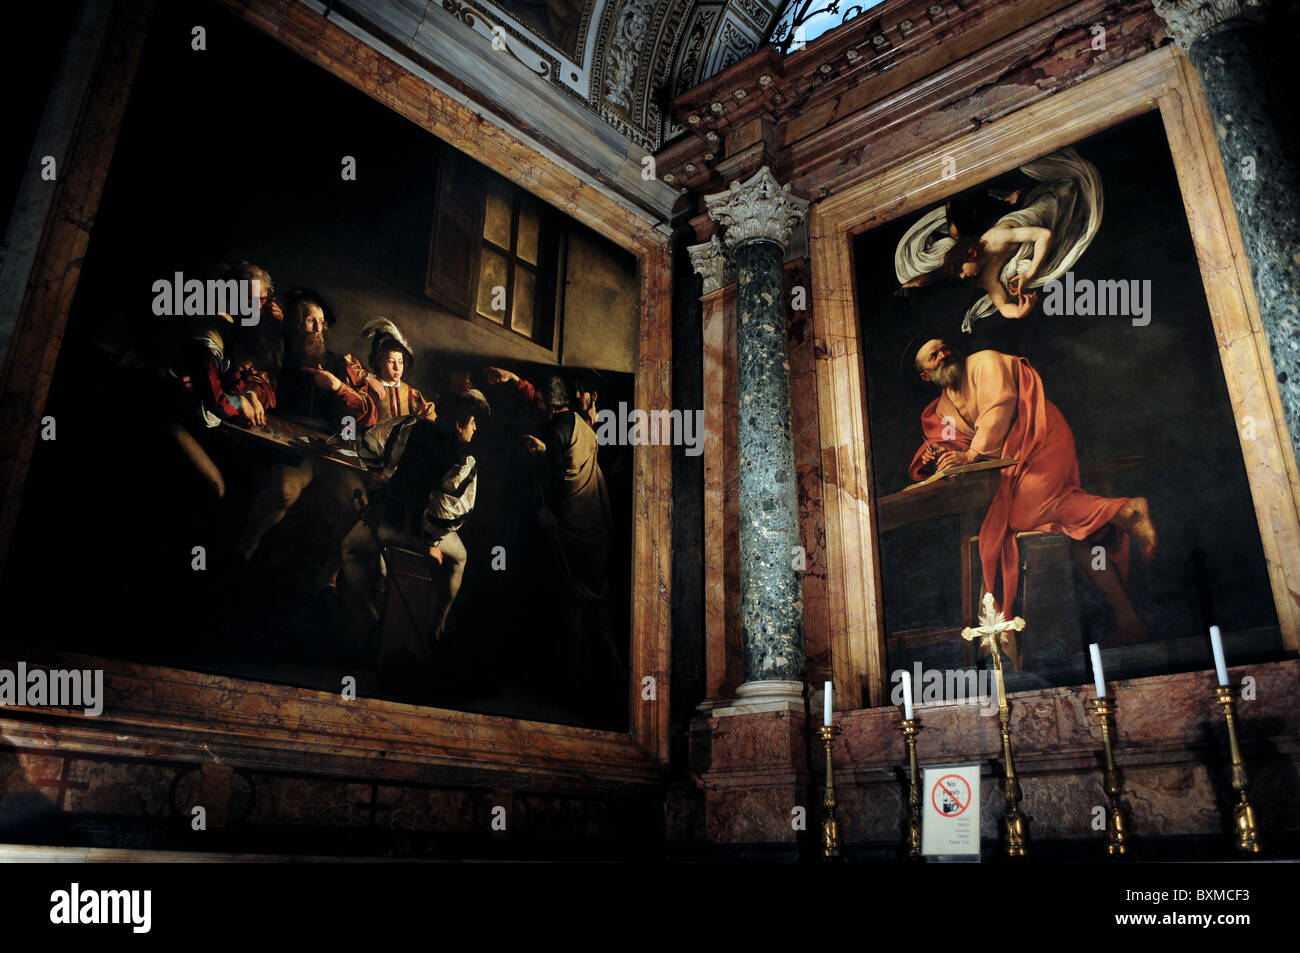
(757, 209)
(713, 263)
(1185, 20)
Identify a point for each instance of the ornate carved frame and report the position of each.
(163, 713)
(1163, 80)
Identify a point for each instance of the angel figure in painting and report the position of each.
(1033, 243)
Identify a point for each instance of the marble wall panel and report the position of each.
(770, 739)
(1173, 760)
(756, 815)
(133, 788)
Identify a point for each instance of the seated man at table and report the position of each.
(430, 496)
(213, 371)
(231, 370)
(316, 387)
(270, 314)
(993, 405)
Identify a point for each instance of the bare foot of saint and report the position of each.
(1135, 516)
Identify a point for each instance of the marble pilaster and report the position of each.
(1225, 40)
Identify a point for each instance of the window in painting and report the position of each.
(496, 253)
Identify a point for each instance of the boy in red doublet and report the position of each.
(390, 359)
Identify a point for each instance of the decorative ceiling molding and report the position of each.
(511, 79)
(592, 81)
(718, 35)
(880, 85)
(623, 60)
(564, 60)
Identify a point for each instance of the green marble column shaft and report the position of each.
(771, 593)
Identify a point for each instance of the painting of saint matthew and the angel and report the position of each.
(1049, 423)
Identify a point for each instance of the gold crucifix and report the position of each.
(992, 632)
(994, 629)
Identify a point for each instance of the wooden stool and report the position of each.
(411, 602)
(1046, 597)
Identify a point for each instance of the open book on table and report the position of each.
(964, 468)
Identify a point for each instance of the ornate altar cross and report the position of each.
(992, 631)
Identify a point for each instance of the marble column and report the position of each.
(758, 218)
(1225, 40)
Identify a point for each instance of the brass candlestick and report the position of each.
(830, 830)
(1116, 828)
(1243, 813)
(910, 728)
(1014, 822)
(992, 631)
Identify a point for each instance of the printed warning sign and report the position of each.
(950, 795)
(950, 810)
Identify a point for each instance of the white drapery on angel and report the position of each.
(1069, 202)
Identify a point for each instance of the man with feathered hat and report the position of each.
(391, 359)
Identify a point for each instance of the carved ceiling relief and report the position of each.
(520, 43)
(732, 44)
(742, 28)
(1188, 19)
(690, 60)
(760, 15)
(623, 59)
(624, 51)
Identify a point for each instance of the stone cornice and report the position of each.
(830, 103)
(871, 44)
(884, 47)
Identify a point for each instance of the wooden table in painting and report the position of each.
(411, 599)
(288, 434)
(967, 496)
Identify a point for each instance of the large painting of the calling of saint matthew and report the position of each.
(1049, 423)
(326, 411)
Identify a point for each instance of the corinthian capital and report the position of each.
(1185, 20)
(757, 209)
(712, 262)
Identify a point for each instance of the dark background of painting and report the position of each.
(1156, 390)
(235, 152)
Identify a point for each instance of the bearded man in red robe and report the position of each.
(992, 405)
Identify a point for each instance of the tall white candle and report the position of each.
(907, 695)
(1098, 675)
(1216, 643)
(830, 696)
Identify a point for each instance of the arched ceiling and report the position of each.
(624, 60)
